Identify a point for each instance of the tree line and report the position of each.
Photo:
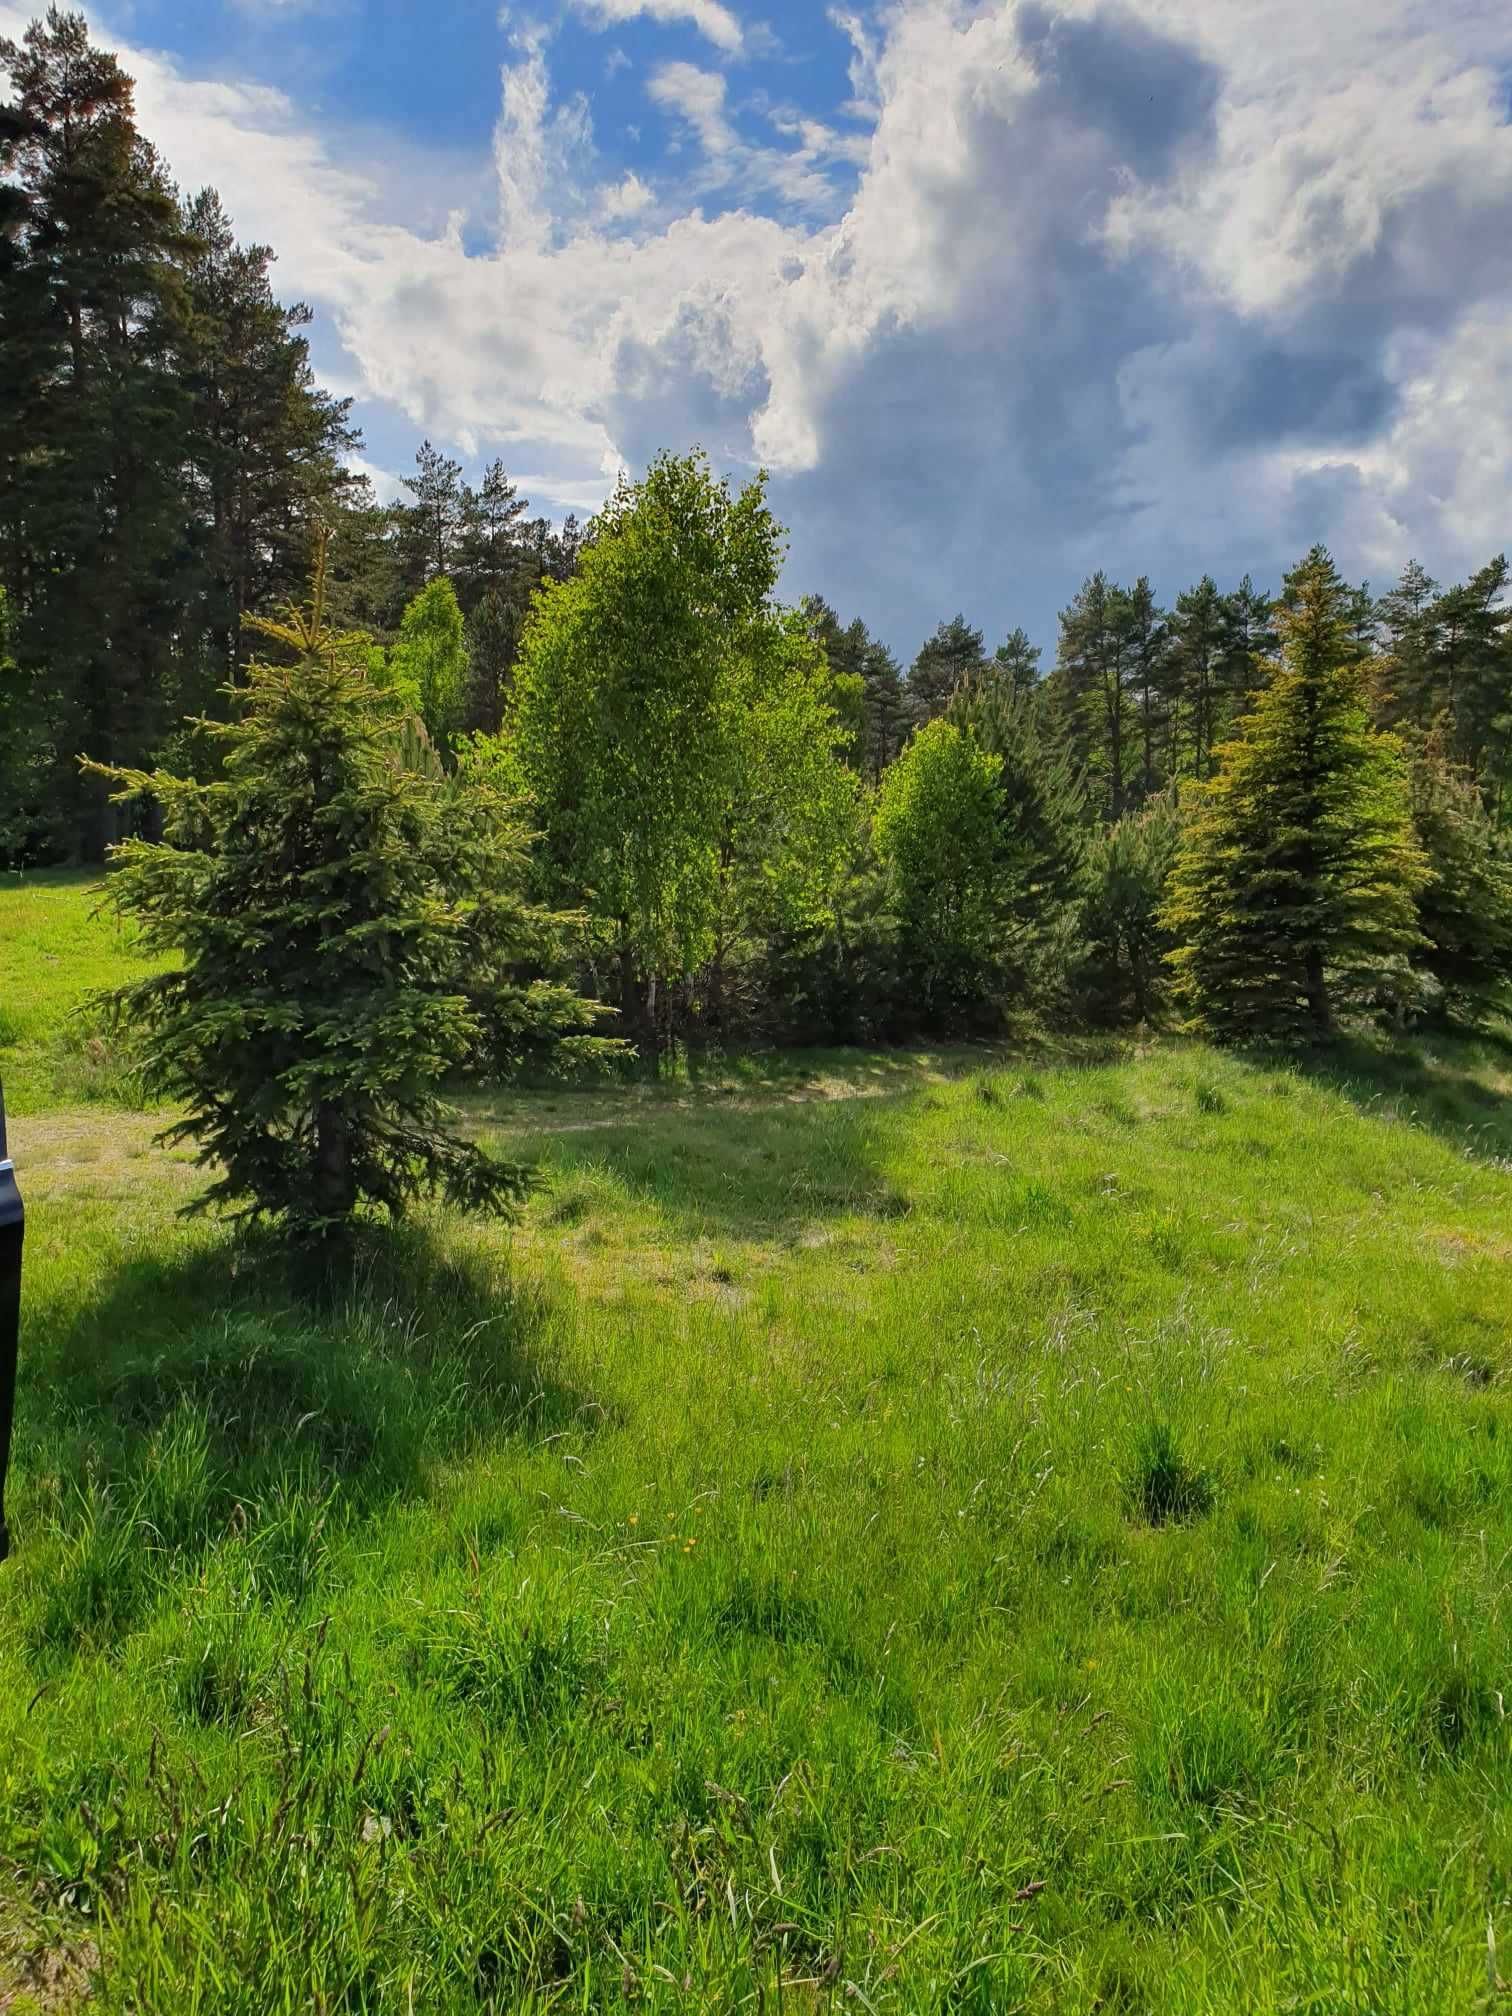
(495, 781)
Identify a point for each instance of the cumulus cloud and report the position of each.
(625, 199)
(1162, 286)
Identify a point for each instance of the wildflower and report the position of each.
(633, 1520)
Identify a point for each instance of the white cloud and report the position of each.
(626, 199)
(386, 485)
(699, 95)
(799, 176)
(713, 20)
(863, 62)
(1179, 285)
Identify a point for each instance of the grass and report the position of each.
(58, 945)
(888, 1532)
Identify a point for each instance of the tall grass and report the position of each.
(885, 1534)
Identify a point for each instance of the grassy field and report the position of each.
(888, 1532)
(57, 945)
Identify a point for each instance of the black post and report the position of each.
(12, 1224)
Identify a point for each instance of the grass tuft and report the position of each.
(1162, 1485)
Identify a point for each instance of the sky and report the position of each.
(997, 293)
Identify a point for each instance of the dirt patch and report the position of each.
(41, 1976)
(1455, 1246)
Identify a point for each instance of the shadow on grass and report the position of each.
(760, 1145)
(195, 1397)
(1436, 1079)
(714, 1170)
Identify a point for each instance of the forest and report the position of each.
(764, 825)
(714, 1319)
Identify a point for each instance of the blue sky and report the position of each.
(998, 290)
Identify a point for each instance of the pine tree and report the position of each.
(345, 932)
(95, 323)
(431, 527)
(1149, 647)
(1089, 689)
(1249, 645)
(492, 556)
(1293, 895)
(1402, 689)
(1017, 662)
(266, 444)
(1198, 637)
(1465, 904)
(954, 657)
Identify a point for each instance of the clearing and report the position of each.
(892, 1532)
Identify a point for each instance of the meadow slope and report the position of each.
(892, 1532)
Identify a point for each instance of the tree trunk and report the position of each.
(637, 1005)
(1316, 990)
(333, 1162)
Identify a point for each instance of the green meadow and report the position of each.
(958, 1530)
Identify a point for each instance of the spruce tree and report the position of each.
(1465, 904)
(875, 707)
(1293, 895)
(1472, 675)
(346, 930)
(1402, 689)
(1149, 638)
(492, 558)
(365, 562)
(885, 720)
